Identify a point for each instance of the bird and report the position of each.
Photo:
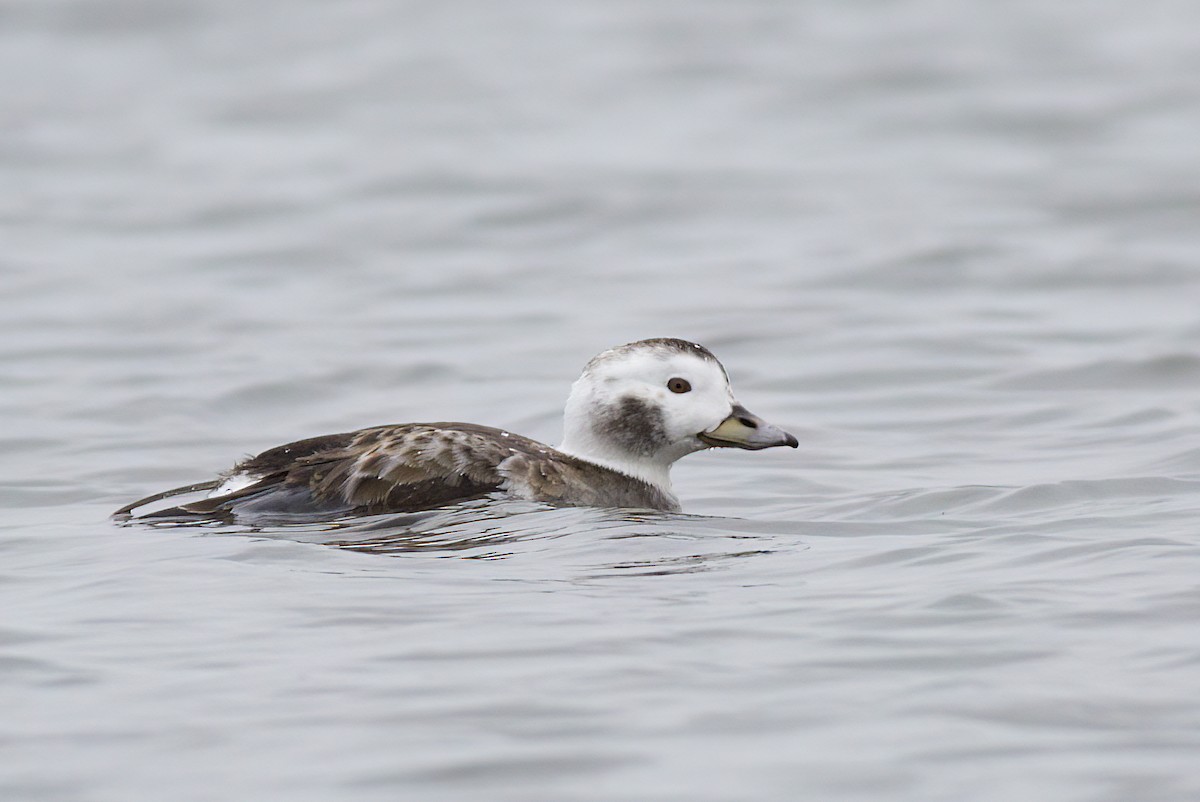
(633, 412)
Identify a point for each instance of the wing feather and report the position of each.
(404, 468)
(408, 468)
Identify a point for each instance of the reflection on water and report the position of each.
(482, 528)
(495, 528)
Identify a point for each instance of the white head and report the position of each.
(639, 407)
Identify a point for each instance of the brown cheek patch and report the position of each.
(632, 424)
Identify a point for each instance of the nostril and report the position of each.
(749, 423)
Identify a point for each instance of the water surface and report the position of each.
(953, 247)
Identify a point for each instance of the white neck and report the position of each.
(585, 447)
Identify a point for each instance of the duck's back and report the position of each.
(406, 468)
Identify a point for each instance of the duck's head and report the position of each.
(639, 407)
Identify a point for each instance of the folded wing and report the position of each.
(403, 468)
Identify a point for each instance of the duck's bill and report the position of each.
(742, 429)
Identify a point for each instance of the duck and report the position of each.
(633, 412)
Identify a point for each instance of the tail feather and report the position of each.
(126, 512)
(269, 496)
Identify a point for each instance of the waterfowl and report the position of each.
(631, 414)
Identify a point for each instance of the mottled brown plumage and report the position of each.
(634, 411)
(408, 468)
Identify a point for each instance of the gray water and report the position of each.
(954, 247)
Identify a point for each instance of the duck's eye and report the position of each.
(678, 385)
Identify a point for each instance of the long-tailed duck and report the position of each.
(635, 410)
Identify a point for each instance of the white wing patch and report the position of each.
(233, 483)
